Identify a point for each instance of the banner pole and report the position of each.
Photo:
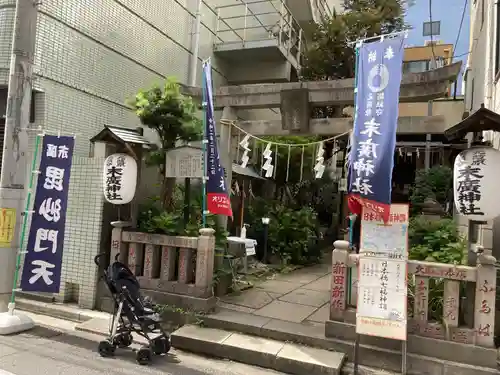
(25, 219)
(404, 356)
(204, 146)
(351, 221)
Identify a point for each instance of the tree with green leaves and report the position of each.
(173, 117)
(331, 54)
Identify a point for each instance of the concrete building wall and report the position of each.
(451, 109)
(418, 53)
(91, 57)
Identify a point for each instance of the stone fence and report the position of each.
(173, 270)
(480, 331)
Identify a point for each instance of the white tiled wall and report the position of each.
(83, 229)
(91, 56)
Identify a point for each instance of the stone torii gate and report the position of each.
(297, 99)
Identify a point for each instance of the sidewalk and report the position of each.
(55, 348)
(300, 296)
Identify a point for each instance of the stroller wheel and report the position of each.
(123, 340)
(161, 345)
(106, 349)
(144, 356)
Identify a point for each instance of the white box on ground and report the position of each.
(250, 244)
(14, 322)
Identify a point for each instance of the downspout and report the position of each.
(196, 46)
(193, 67)
(490, 62)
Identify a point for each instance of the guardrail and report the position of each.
(453, 279)
(259, 21)
(171, 266)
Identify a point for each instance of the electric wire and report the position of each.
(430, 27)
(460, 27)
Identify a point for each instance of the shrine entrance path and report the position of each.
(300, 296)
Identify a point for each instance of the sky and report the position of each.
(449, 13)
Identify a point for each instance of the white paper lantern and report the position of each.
(120, 178)
(475, 183)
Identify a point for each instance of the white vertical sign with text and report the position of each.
(382, 274)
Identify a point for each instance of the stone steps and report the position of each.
(372, 356)
(278, 355)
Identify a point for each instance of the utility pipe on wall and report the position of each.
(196, 46)
(490, 61)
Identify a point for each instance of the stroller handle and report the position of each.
(98, 257)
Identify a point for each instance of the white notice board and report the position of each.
(382, 274)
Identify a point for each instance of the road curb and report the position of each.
(56, 310)
(257, 351)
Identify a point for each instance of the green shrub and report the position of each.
(434, 183)
(292, 233)
(435, 241)
(154, 219)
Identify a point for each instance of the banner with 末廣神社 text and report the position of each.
(371, 158)
(43, 261)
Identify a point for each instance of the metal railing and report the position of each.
(260, 20)
(322, 9)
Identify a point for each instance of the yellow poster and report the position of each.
(7, 226)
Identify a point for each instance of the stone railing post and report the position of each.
(205, 258)
(340, 256)
(117, 245)
(484, 307)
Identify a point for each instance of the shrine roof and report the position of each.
(121, 135)
(481, 120)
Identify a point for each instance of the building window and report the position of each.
(416, 66)
(497, 42)
(432, 28)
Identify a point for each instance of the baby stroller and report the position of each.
(132, 313)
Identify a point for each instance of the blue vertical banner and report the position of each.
(371, 161)
(217, 196)
(43, 261)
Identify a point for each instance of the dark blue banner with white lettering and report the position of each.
(218, 201)
(43, 261)
(379, 73)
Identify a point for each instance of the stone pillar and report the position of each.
(134, 258)
(421, 308)
(205, 258)
(117, 245)
(451, 302)
(338, 295)
(167, 272)
(185, 266)
(151, 259)
(226, 157)
(484, 309)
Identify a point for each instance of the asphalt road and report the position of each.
(43, 351)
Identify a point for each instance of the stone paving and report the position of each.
(299, 296)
